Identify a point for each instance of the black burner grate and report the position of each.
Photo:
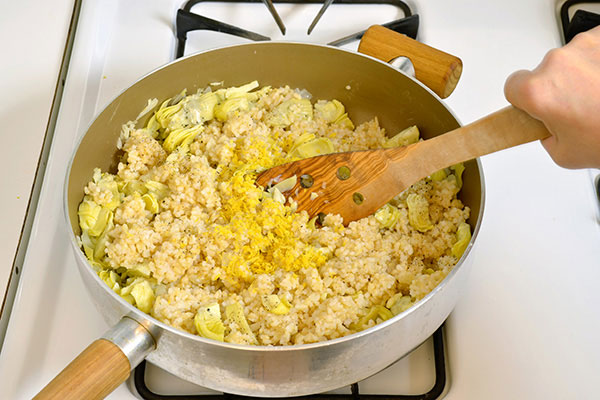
(188, 21)
(436, 391)
(581, 21)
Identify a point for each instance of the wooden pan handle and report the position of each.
(437, 70)
(96, 372)
(104, 364)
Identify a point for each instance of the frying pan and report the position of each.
(368, 87)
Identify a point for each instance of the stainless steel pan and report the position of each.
(368, 87)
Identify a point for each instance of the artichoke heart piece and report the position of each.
(105, 217)
(238, 91)
(235, 312)
(131, 187)
(223, 110)
(285, 185)
(149, 106)
(291, 111)
(88, 245)
(458, 170)
(399, 303)
(181, 137)
(202, 108)
(387, 216)
(99, 249)
(157, 189)
(277, 196)
(143, 294)
(94, 247)
(100, 245)
(344, 121)
(313, 148)
(116, 196)
(112, 279)
(304, 138)
(165, 113)
(126, 131)
(97, 266)
(208, 322)
(463, 237)
(88, 214)
(275, 304)
(180, 96)
(139, 270)
(312, 223)
(408, 136)
(179, 119)
(375, 312)
(150, 203)
(152, 127)
(330, 111)
(418, 212)
(439, 175)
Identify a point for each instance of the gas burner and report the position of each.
(577, 16)
(581, 20)
(188, 21)
(439, 360)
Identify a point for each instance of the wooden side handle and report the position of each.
(96, 372)
(437, 70)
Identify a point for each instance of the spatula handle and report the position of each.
(505, 128)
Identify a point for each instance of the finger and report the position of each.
(519, 91)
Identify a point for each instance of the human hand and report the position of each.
(564, 93)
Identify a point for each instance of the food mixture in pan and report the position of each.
(182, 232)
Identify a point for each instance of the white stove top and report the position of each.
(526, 324)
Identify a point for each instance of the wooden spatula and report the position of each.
(356, 184)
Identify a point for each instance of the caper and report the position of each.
(321, 218)
(343, 173)
(306, 181)
(358, 198)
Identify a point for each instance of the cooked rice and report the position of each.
(216, 239)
